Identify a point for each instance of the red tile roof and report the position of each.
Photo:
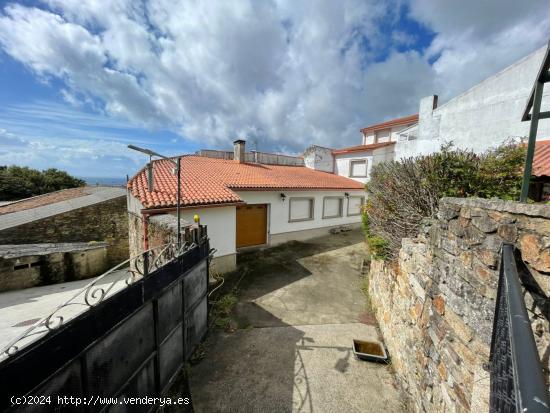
(406, 120)
(541, 161)
(362, 148)
(207, 181)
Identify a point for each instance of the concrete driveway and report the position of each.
(298, 311)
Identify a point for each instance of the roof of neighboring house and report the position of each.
(362, 148)
(541, 160)
(406, 120)
(208, 181)
(47, 205)
(41, 200)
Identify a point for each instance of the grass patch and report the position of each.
(222, 312)
(226, 303)
(222, 322)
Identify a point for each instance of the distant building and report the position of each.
(246, 201)
(84, 214)
(483, 117)
(354, 162)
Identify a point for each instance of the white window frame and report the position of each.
(354, 161)
(362, 203)
(311, 209)
(340, 209)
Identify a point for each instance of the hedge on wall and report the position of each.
(402, 193)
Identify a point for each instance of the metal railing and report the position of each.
(95, 292)
(517, 382)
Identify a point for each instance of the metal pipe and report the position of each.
(145, 219)
(150, 186)
(178, 171)
(532, 140)
(531, 390)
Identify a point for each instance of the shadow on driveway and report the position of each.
(300, 303)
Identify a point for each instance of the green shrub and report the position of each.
(21, 182)
(403, 193)
(378, 246)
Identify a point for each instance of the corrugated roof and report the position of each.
(405, 120)
(45, 199)
(362, 148)
(91, 195)
(207, 181)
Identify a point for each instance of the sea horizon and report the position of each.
(104, 180)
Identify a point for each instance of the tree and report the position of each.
(22, 182)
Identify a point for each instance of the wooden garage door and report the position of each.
(251, 225)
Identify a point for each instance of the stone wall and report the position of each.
(435, 305)
(106, 221)
(31, 265)
(161, 229)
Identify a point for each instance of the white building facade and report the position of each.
(483, 117)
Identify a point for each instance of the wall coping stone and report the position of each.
(495, 204)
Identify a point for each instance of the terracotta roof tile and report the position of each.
(207, 181)
(541, 161)
(406, 120)
(361, 148)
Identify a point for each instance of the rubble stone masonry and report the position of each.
(435, 305)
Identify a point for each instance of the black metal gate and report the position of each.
(130, 345)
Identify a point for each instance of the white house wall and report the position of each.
(342, 161)
(368, 138)
(319, 158)
(342, 164)
(484, 116)
(278, 211)
(221, 223)
(384, 136)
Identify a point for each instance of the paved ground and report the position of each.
(299, 309)
(20, 309)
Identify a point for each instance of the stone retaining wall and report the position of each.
(31, 265)
(103, 222)
(435, 305)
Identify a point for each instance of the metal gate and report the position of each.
(131, 344)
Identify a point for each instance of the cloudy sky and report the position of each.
(80, 79)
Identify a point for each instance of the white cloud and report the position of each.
(282, 72)
(476, 39)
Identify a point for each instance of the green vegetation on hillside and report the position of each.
(22, 182)
(403, 193)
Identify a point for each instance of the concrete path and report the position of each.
(299, 306)
(20, 309)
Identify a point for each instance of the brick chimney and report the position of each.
(238, 150)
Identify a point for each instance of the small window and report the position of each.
(333, 207)
(300, 209)
(358, 169)
(355, 204)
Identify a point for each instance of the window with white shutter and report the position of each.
(358, 169)
(355, 204)
(300, 209)
(332, 207)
